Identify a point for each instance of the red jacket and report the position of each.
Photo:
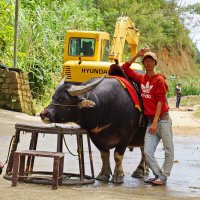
(153, 89)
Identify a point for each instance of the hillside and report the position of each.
(173, 62)
(43, 24)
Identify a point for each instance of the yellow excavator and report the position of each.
(87, 54)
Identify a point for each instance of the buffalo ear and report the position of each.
(87, 103)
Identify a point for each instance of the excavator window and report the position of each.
(105, 50)
(81, 47)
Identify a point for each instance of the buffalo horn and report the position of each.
(62, 82)
(82, 89)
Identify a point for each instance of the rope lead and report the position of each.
(8, 155)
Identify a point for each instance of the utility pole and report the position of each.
(16, 32)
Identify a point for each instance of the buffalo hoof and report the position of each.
(102, 177)
(117, 179)
(137, 174)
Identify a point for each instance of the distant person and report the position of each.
(178, 95)
(172, 77)
(87, 49)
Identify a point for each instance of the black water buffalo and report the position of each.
(105, 109)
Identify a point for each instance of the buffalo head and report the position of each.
(67, 102)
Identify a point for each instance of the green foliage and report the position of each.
(43, 26)
(159, 24)
(190, 84)
(192, 9)
(6, 32)
(191, 88)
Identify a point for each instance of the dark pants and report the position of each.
(178, 99)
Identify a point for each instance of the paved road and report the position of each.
(184, 182)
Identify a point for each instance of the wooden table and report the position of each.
(60, 131)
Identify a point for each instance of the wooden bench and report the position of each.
(60, 131)
(19, 165)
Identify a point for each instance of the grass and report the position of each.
(41, 103)
(189, 82)
(190, 89)
(192, 100)
(197, 112)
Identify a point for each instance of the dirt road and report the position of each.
(184, 182)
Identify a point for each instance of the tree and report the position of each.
(6, 32)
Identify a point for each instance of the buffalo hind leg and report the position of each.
(142, 169)
(118, 176)
(105, 173)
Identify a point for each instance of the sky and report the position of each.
(191, 21)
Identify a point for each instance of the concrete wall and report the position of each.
(15, 92)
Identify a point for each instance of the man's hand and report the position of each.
(153, 128)
(142, 51)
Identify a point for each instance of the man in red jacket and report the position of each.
(153, 90)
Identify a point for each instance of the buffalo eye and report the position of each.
(63, 101)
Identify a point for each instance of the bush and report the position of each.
(191, 87)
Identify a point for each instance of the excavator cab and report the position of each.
(89, 45)
(87, 54)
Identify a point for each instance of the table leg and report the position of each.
(59, 142)
(15, 175)
(56, 163)
(90, 156)
(31, 159)
(61, 167)
(80, 156)
(21, 168)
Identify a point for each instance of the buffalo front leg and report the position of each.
(118, 176)
(105, 173)
(142, 169)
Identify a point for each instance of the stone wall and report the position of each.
(15, 92)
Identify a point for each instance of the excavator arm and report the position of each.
(125, 31)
